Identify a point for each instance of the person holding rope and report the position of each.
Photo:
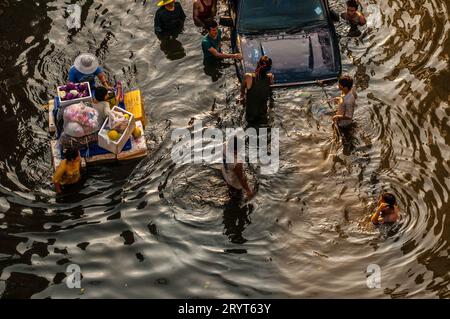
(345, 103)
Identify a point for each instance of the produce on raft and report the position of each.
(113, 135)
(72, 91)
(137, 132)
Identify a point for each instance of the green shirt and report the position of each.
(208, 43)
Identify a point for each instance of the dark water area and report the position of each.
(154, 229)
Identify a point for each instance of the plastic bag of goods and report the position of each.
(80, 120)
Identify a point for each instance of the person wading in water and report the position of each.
(204, 10)
(256, 91)
(233, 171)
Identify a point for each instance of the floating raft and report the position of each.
(138, 149)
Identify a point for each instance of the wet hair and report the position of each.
(263, 67)
(100, 93)
(389, 199)
(353, 4)
(346, 81)
(210, 24)
(70, 154)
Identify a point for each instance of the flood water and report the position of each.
(154, 229)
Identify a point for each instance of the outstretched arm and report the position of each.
(102, 78)
(220, 55)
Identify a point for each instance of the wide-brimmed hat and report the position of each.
(164, 2)
(86, 63)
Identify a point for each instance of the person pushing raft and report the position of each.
(85, 68)
(68, 171)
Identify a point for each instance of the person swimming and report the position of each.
(387, 211)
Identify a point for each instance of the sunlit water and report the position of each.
(154, 229)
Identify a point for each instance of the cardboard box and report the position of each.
(78, 100)
(116, 146)
(135, 104)
(138, 146)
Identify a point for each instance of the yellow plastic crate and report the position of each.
(135, 104)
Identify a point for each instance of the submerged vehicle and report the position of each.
(299, 37)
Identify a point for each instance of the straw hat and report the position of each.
(86, 63)
(164, 2)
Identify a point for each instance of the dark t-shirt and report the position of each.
(167, 22)
(256, 101)
(208, 43)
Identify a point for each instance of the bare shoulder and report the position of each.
(248, 77)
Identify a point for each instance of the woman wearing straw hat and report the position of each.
(169, 19)
(85, 69)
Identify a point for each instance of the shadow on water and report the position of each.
(236, 217)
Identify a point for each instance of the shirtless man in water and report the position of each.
(204, 10)
(387, 211)
(354, 17)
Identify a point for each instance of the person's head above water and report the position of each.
(263, 66)
(352, 7)
(100, 93)
(345, 81)
(389, 199)
(212, 28)
(70, 154)
(86, 63)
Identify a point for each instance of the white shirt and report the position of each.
(103, 110)
(347, 107)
